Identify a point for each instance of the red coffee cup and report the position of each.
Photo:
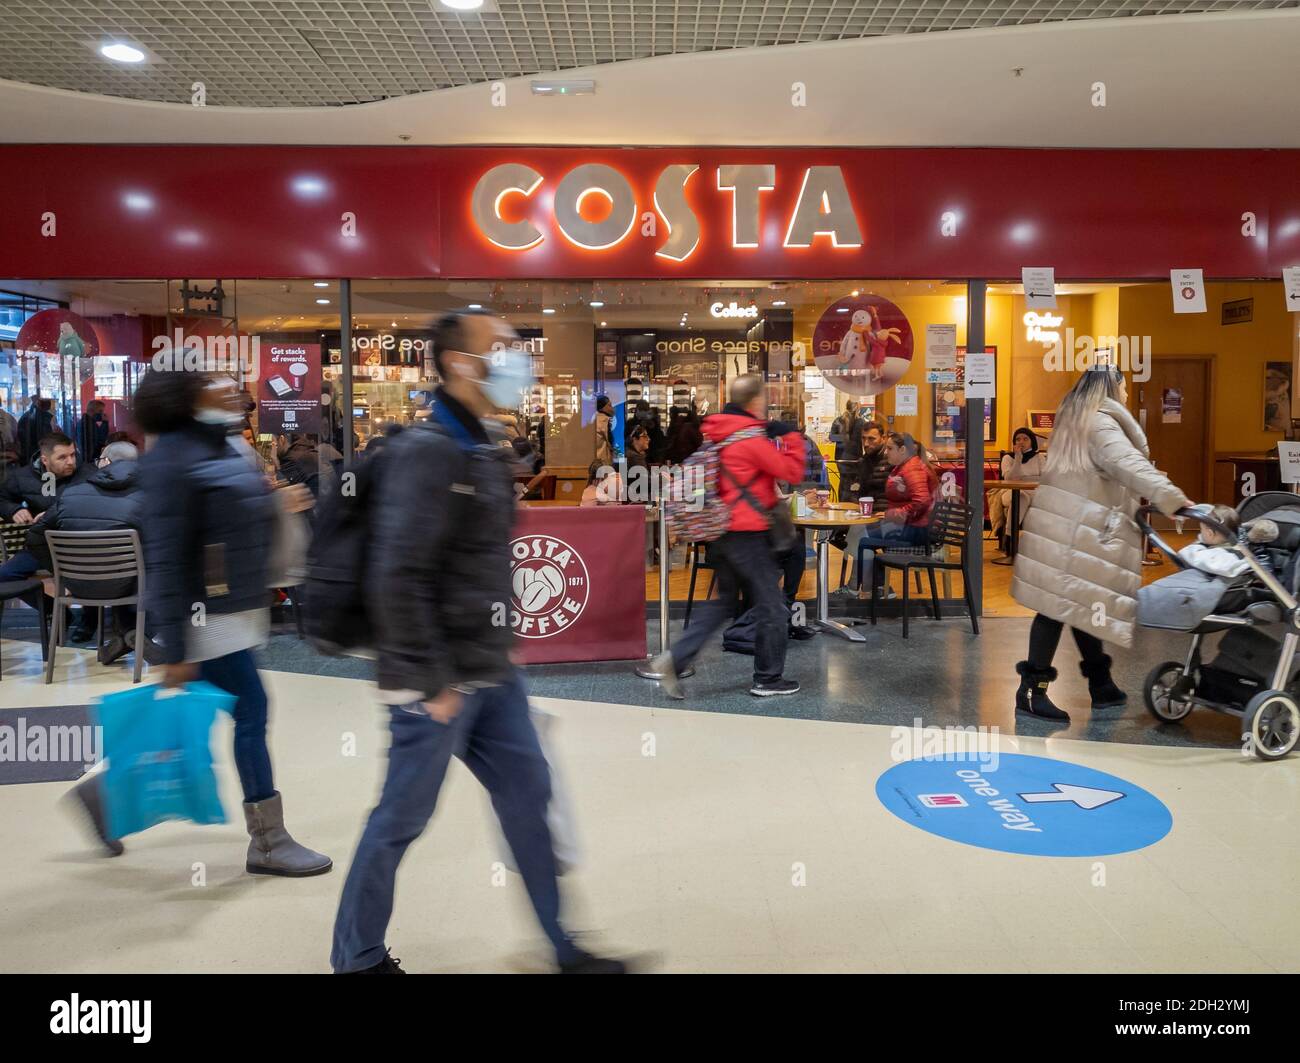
(865, 504)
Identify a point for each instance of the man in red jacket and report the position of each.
(754, 456)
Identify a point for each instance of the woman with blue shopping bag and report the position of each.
(209, 527)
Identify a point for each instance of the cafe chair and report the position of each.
(84, 559)
(949, 527)
(699, 559)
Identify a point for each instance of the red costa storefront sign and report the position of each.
(96, 211)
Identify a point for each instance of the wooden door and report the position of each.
(1174, 409)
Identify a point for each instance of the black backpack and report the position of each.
(336, 620)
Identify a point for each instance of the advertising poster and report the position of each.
(863, 344)
(1171, 406)
(288, 397)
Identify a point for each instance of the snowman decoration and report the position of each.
(856, 342)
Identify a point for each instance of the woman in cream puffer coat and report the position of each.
(1080, 555)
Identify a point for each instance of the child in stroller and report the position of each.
(1244, 588)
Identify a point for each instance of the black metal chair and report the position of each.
(82, 559)
(29, 590)
(949, 527)
(699, 559)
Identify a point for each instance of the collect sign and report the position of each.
(1035, 806)
(289, 395)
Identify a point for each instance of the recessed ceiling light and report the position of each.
(778, 302)
(597, 303)
(548, 310)
(462, 5)
(855, 293)
(323, 302)
(393, 325)
(603, 324)
(476, 306)
(121, 52)
(320, 284)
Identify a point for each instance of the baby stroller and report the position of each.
(1255, 671)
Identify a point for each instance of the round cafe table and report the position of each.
(1013, 521)
(824, 522)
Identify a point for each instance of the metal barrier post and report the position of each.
(645, 670)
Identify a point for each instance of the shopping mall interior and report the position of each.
(1010, 345)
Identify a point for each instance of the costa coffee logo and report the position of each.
(549, 585)
(822, 209)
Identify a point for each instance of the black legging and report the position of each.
(1045, 636)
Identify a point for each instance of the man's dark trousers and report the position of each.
(495, 738)
(744, 562)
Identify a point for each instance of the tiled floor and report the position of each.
(744, 843)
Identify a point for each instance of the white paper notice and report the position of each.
(1289, 455)
(1189, 290)
(941, 346)
(905, 400)
(1040, 287)
(981, 382)
(1291, 286)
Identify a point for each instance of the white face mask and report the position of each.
(225, 418)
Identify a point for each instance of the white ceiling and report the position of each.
(1215, 80)
(303, 53)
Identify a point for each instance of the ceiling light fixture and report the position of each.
(121, 52)
(462, 5)
(322, 302)
(320, 284)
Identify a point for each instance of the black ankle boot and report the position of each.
(1105, 694)
(1032, 695)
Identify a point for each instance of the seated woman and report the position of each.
(1025, 462)
(910, 492)
(604, 486)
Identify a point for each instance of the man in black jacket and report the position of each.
(107, 499)
(439, 579)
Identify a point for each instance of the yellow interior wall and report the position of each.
(923, 310)
(1240, 351)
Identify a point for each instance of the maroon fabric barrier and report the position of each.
(578, 584)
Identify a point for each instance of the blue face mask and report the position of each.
(509, 375)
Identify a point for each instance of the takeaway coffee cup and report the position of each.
(865, 504)
(823, 499)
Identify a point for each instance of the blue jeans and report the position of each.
(20, 566)
(236, 673)
(869, 544)
(493, 735)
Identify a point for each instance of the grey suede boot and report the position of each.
(88, 797)
(271, 849)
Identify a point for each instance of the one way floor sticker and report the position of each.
(1017, 803)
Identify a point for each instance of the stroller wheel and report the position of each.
(1272, 724)
(1159, 692)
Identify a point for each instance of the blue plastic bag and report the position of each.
(159, 757)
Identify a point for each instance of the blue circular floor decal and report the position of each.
(1021, 804)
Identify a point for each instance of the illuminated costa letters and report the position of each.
(745, 183)
(492, 188)
(670, 202)
(822, 209)
(594, 179)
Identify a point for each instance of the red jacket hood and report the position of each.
(718, 426)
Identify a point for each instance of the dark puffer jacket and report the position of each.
(209, 523)
(872, 474)
(109, 499)
(24, 489)
(439, 566)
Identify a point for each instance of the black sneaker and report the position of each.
(774, 688)
(802, 633)
(390, 964)
(88, 798)
(586, 963)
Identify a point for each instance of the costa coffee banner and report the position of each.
(289, 393)
(683, 212)
(577, 590)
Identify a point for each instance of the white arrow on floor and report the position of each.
(1083, 796)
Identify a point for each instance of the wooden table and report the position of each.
(823, 522)
(1013, 529)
